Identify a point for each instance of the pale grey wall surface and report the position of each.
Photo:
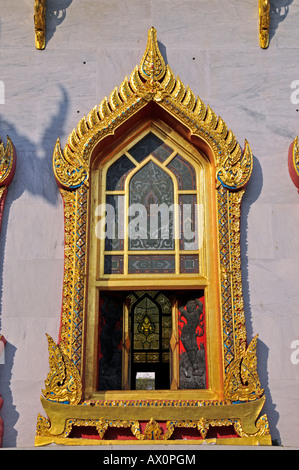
(91, 46)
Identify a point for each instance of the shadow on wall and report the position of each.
(8, 412)
(55, 15)
(34, 174)
(279, 10)
(251, 195)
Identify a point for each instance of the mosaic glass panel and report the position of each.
(151, 197)
(114, 264)
(189, 264)
(151, 264)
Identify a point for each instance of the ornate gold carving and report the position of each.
(40, 23)
(63, 383)
(242, 382)
(264, 23)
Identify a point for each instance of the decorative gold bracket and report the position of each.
(264, 23)
(7, 170)
(293, 162)
(40, 23)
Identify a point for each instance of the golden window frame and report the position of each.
(97, 280)
(152, 96)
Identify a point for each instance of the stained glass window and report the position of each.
(152, 194)
(151, 339)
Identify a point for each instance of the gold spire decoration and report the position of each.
(40, 23)
(264, 23)
(152, 65)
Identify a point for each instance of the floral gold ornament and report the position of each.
(154, 99)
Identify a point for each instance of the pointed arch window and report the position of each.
(152, 221)
(151, 260)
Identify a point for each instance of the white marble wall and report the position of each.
(91, 46)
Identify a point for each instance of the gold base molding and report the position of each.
(239, 441)
(244, 417)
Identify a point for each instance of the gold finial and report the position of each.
(152, 66)
(40, 23)
(264, 22)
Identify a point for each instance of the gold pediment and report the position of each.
(152, 80)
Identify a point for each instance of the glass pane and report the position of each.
(150, 144)
(114, 220)
(117, 172)
(184, 172)
(151, 209)
(190, 225)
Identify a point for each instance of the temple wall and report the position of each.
(213, 46)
